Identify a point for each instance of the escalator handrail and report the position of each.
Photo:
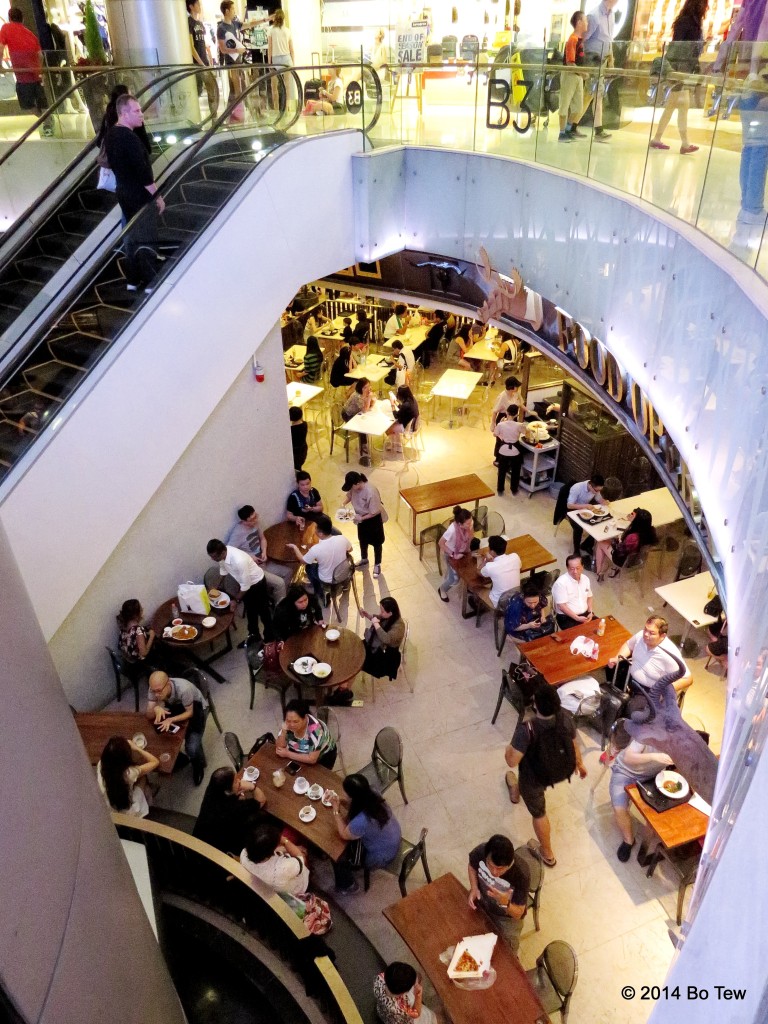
(23, 221)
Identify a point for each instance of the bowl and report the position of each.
(140, 740)
(307, 813)
(672, 778)
(251, 773)
(300, 785)
(177, 622)
(315, 792)
(321, 670)
(209, 621)
(332, 634)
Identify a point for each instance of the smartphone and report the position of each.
(293, 767)
(171, 729)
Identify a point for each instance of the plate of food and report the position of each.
(315, 791)
(301, 785)
(307, 814)
(672, 784)
(472, 957)
(184, 632)
(304, 666)
(345, 515)
(218, 600)
(321, 670)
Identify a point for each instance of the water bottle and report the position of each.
(601, 627)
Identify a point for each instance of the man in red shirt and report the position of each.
(26, 58)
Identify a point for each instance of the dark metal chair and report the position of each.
(234, 749)
(554, 977)
(257, 672)
(328, 717)
(511, 692)
(613, 488)
(132, 671)
(685, 861)
(536, 880)
(338, 429)
(386, 764)
(201, 681)
(403, 864)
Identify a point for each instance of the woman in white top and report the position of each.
(369, 516)
(275, 861)
(331, 99)
(280, 52)
(119, 773)
(380, 55)
(454, 543)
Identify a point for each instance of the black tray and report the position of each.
(653, 796)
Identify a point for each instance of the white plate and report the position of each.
(251, 773)
(669, 776)
(175, 633)
(304, 666)
(209, 621)
(322, 670)
(300, 785)
(332, 634)
(222, 601)
(307, 814)
(344, 515)
(318, 793)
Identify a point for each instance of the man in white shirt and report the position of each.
(585, 495)
(650, 653)
(572, 595)
(253, 586)
(323, 558)
(404, 362)
(501, 569)
(397, 323)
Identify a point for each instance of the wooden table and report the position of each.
(96, 728)
(224, 619)
(437, 916)
(456, 384)
(285, 805)
(532, 556)
(279, 536)
(688, 598)
(345, 656)
(555, 661)
(675, 827)
(444, 494)
(299, 393)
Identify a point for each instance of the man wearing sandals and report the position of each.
(538, 769)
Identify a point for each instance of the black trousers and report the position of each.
(256, 603)
(509, 464)
(141, 245)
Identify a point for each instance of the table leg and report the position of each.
(450, 413)
(206, 666)
(413, 526)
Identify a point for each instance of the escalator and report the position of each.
(85, 319)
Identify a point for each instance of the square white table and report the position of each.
(370, 369)
(412, 337)
(659, 502)
(688, 598)
(299, 394)
(456, 384)
(375, 422)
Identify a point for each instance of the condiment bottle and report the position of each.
(601, 627)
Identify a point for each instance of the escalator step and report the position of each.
(13, 442)
(226, 170)
(77, 350)
(104, 322)
(16, 292)
(7, 316)
(207, 193)
(80, 222)
(59, 245)
(188, 217)
(96, 199)
(40, 269)
(53, 379)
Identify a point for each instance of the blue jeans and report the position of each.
(451, 577)
(193, 745)
(754, 154)
(313, 574)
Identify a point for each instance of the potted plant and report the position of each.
(96, 87)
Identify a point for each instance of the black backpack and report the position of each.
(550, 752)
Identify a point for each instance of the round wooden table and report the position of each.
(279, 536)
(224, 619)
(345, 656)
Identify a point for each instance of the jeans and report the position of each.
(193, 744)
(451, 577)
(313, 574)
(754, 153)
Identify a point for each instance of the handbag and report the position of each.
(193, 597)
(107, 181)
(312, 910)
(102, 160)
(271, 655)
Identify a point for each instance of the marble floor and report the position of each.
(616, 919)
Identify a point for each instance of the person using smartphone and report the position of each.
(179, 702)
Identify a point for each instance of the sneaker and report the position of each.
(601, 135)
(131, 287)
(361, 564)
(576, 134)
(148, 290)
(685, 150)
(46, 131)
(658, 145)
(565, 137)
(376, 571)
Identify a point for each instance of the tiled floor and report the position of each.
(615, 918)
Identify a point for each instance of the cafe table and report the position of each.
(299, 393)
(205, 635)
(97, 727)
(659, 502)
(345, 656)
(374, 368)
(551, 655)
(279, 536)
(444, 494)
(437, 916)
(284, 804)
(374, 423)
(688, 598)
(532, 556)
(456, 384)
(412, 338)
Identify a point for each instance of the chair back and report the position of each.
(417, 852)
(535, 872)
(504, 600)
(330, 719)
(388, 747)
(344, 571)
(480, 520)
(689, 563)
(495, 525)
(404, 645)
(336, 421)
(118, 665)
(560, 962)
(266, 737)
(234, 749)
(213, 580)
(613, 488)
(561, 504)
(200, 679)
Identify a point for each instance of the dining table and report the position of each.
(373, 368)
(675, 827)
(299, 393)
(436, 917)
(659, 502)
(532, 556)
(280, 535)
(345, 655)
(551, 655)
(456, 384)
(444, 494)
(284, 804)
(413, 337)
(224, 617)
(688, 598)
(97, 727)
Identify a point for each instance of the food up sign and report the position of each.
(412, 43)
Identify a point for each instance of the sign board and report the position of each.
(412, 43)
(353, 98)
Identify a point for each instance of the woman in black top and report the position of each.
(297, 611)
(231, 807)
(405, 410)
(682, 56)
(342, 365)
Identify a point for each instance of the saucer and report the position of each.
(307, 814)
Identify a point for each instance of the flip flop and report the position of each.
(535, 848)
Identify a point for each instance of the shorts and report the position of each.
(532, 792)
(617, 792)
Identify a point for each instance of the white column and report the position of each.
(304, 22)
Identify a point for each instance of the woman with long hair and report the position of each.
(682, 56)
(231, 807)
(366, 817)
(119, 772)
(405, 409)
(637, 535)
(455, 544)
(136, 640)
(313, 361)
(383, 639)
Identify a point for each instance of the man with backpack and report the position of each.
(547, 752)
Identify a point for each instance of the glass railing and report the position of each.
(688, 136)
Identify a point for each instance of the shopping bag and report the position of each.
(193, 597)
(107, 181)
